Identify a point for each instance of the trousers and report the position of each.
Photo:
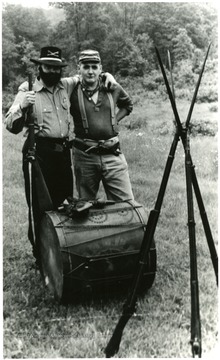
(92, 169)
(57, 172)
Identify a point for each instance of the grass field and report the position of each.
(36, 326)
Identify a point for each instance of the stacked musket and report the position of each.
(191, 180)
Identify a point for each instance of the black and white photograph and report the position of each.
(109, 179)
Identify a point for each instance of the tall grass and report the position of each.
(36, 326)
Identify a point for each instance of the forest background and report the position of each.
(125, 34)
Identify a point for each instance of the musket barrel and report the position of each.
(171, 74)
(196, 90)
(31, 121)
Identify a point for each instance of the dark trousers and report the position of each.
(55, 163)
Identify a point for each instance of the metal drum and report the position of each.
(94, 252)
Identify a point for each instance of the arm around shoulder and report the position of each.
(124, 101)
(70, 83)
(15, 118)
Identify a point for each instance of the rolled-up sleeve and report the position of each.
(15, 117)
(124, 100)
(70, 83)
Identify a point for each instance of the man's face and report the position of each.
(50, 74)
(90, 72)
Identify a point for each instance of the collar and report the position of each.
(90, 92)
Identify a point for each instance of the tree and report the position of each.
(182, 46)
(26, 23)
(146, 47)
(121, 55)
(10, 55)
(125, 34)
(24, 32)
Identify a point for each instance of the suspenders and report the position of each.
(83, 111)
(39, 111)
(112, 109)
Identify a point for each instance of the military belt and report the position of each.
(101, 147)
(57, 144)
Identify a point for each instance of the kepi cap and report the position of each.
(89, 56)
(50, 55)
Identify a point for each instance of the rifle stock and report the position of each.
(114, 343)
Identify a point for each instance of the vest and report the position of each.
(83, 111)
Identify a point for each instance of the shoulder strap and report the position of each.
(112, 108)
(82, 109)
(39, 111)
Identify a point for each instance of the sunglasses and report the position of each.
(87, 67)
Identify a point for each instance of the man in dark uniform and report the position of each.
(97, 154)
(53, 130)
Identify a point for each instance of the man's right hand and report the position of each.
(109, 81)
(29, 100)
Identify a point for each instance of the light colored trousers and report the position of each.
(112, 170)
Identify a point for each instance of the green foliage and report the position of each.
(137, 123)
(182, 46)
(208, 94)
(7, 100)
(24, 32)
(184, 76)
(201, 127)
(123, 56)
(152, 81)
(124, 33)
(10, 54)
(27, 23)
(213, 108)
(9, 94)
